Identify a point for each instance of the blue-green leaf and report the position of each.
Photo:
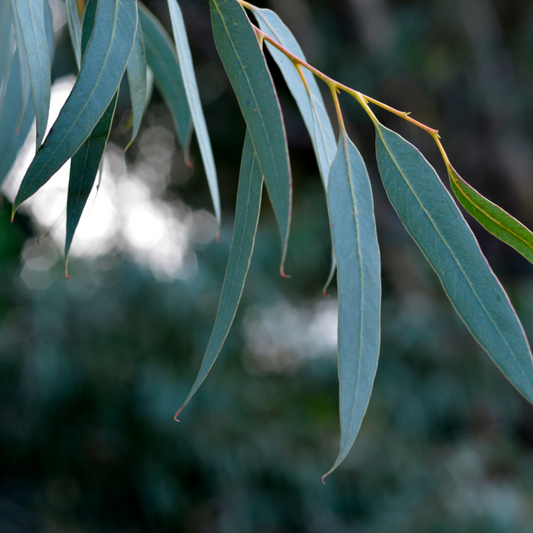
(83, 170)
(137, 82)
(6, 43)
(12, 137)
(85, 164)
(435, 223)
(193, 98)
(492, 217)
(353, 228)
(311, 105)
(245, 65)
(102, 68)
(31, 18)
(162, 60)
(24, 72)
(242, 245)
(74, 26)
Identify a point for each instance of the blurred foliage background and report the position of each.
(93, 369)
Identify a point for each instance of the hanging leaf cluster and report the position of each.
(116, 38)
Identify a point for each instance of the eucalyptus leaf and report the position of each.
(12, 137)
(136, 71)
(353, 228)
(83, 170)
(163, 62)
(31, 18)
(25, 85)
(247, 71)
(86, 162)
(6, 44)
(102, 68)
(242, 245)
(493, 218)
(311, 105)
(193, 98)
(437, 226)
(74, 26)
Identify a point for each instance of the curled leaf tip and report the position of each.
(282, 272)
(324, 477)
(325, 294)
(177, 413)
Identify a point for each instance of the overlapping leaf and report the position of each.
(12, 134)
(311, 105)
(74, 27)
(353, 228)
(137, 81)
(24, 72)
(245, 65)
(242, 244)
(6, 44)
(102, 68)
(435, 223)
(162, 60)
(86, 162)
(193, 98)
(31, 19)
(493, 218)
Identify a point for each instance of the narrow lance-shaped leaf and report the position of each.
(245, 65)
(24, 72)
(86, 162)
(311, 106)
(74, 27)
(493, 218)
(6, 44)
(163, 62)
(12, 137)
(102, 68)
(353, 228)
(137, 81)
(437, 226)
(193, 98)
(242, 245)
(31, 18)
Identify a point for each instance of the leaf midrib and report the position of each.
(453, 255)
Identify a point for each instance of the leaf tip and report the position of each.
(178, 412)
(282, 272)
(324, 477)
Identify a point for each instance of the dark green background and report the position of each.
(93, 369)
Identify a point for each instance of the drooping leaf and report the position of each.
(137, 81)
(311, 106)
(11, 137)
(242, 244)
(245, 65)
(162, 60)
(6, 44)
(83, 170)
(437, 226)
(193, 98)
(74, 26)
(31, 18)
(493, 218)
(102, 68)
(353, 228)
(25, 86)
(86, 161)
